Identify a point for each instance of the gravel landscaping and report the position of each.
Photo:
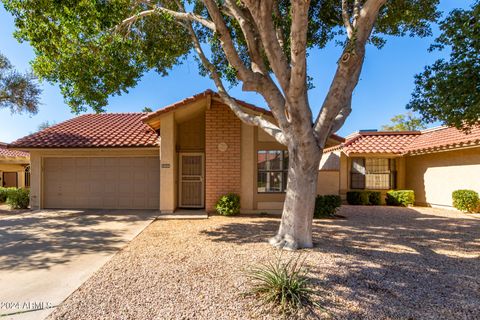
(379, 263)
(5, 210)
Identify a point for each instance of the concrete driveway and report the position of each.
(46, 255)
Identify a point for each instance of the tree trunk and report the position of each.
(295, 230)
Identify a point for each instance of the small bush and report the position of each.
(363, 198)
(374, 198)
(326, 206)
(466, 200)
(402, 198)
(18, 198)
(283, 286)
(228, 205)
(3, 194)
(357, 198)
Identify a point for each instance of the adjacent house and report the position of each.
(14, 168)
(185, 155)
(432, 162)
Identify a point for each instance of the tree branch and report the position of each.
(262, 14)
(356, 12)
(337, 104)
(341, 117)
(248, 77)
(279, 30)
(247, 118)
(251, 37)
(298, 41)
(184, 16)
(346, 18)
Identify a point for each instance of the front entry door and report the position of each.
(191, 186)
(10, 179)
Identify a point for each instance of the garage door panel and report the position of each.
(102, 182)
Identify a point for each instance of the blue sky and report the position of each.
(383, 91)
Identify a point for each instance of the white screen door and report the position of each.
(191, 180)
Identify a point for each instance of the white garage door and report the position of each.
(102, 183)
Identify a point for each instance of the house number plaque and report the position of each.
(165, 165)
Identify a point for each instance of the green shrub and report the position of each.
(374, 198)
(18, 198)
(400, 198)
(4, 193)
(326, 206)
(357, 198)
(466, 200)
(283, 286)
(228, 205)
(363, 198)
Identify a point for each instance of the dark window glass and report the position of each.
(27, 177)
(373, 173)
(272, 167)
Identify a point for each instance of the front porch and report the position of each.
(200, 156)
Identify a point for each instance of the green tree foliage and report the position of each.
(449, 90)
(404, 122)
(147, 109)
(18, 92)
(79, 46)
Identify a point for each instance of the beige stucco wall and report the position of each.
(191, 134)
(434, 176)
(248, 167)
(168, 164)
(328, 182)
(38, 155)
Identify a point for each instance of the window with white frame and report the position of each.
(272, 171)
(373, 173)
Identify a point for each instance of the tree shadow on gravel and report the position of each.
(394, 263)
(38, 240)
(258, 229)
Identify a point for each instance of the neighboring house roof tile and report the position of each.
(444, 138)
(408, 142)
(378, 142)
(6, 153)
(108, 130)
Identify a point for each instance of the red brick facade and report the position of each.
(222, 168)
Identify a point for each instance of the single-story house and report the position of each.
(185, 155)
(14, 168)
(432, 162)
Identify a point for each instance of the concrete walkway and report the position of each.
(46, 255)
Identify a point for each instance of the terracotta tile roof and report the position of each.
(444, 138)
(6, 153)
(214, 94)
(108, 130)
(409, 142)
(196, 97)
(111, 130)
(377, 142)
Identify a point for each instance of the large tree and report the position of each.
(98, 48)
(19, 92)
(449, 89)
